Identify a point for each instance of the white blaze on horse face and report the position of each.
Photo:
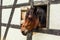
(22, 21)
(29, 16)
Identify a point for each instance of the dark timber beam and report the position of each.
(49, 31)
(0, 16)
(11, 25)
(17, 5)
(10, 18)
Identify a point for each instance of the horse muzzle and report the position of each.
(25, 32)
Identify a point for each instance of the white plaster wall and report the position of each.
(13, 34)
(54, 22)
(2, 31)
(5, 15)
(16, 17)
(22, 1)
(7, 2)
(42, 36)
(40, 0)
(10, 2)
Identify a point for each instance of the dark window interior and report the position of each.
(44, 7)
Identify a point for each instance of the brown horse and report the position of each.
(32, 20)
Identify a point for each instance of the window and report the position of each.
(44, 7)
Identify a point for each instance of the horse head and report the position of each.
(31, 21)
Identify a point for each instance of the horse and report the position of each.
(33, 19)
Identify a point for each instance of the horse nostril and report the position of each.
(30, 19)
(24, 33)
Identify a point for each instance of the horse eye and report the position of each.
(25, 26)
